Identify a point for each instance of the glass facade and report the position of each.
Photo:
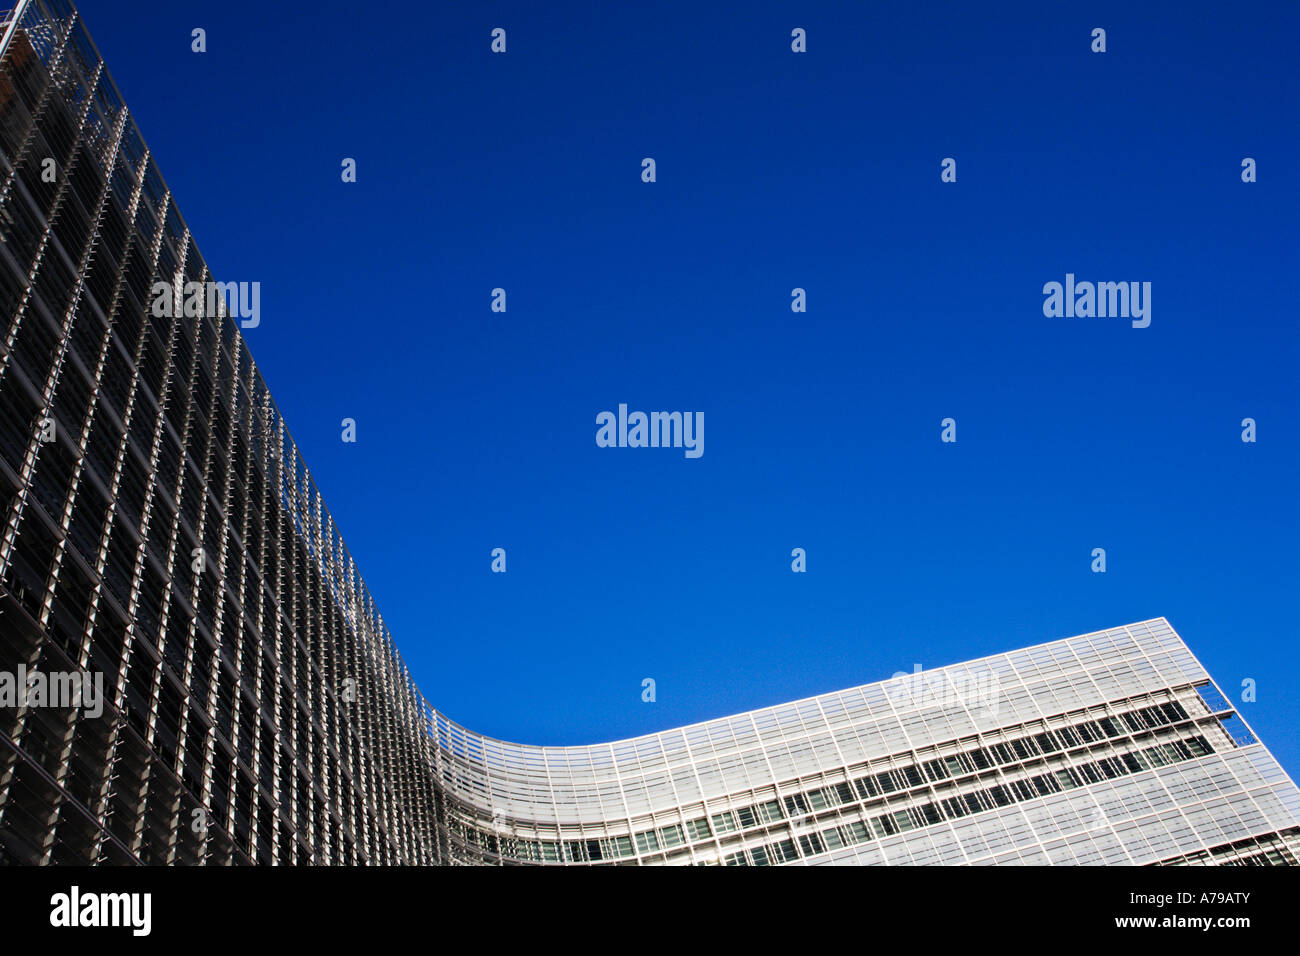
(161, 529)
(1108, 748)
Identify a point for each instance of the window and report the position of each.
(698, 829)
(724, 822)
(811, 844)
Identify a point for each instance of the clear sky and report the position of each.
(775, 170)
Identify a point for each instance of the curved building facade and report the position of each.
(192, 670)
(1108, 748)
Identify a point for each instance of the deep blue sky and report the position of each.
(775, 170)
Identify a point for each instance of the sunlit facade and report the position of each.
(1108, 748)
(160, 528)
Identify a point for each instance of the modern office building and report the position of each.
(159, 529)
